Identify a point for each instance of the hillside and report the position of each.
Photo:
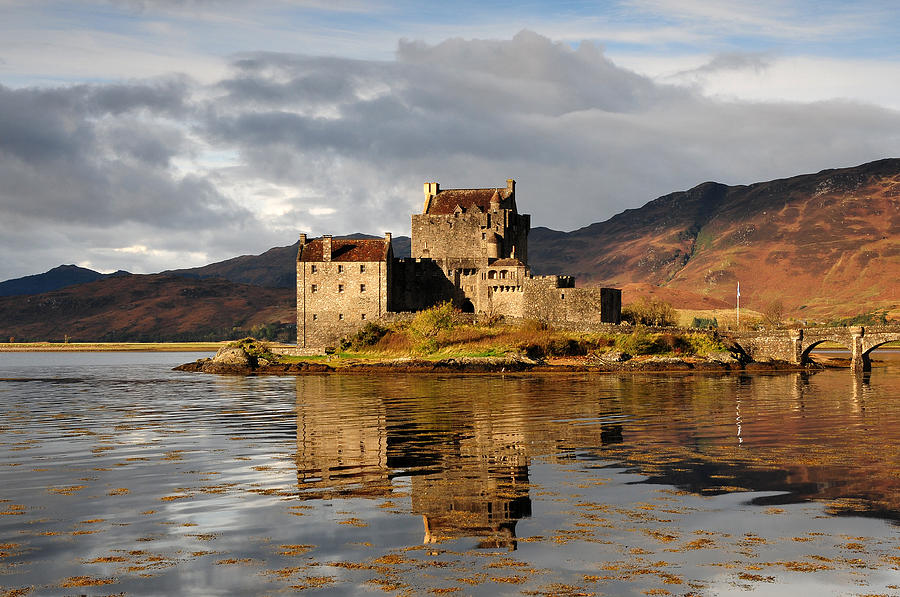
(54, 279)
(144, 308)
(825, 244)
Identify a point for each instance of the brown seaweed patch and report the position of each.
(172, 498)
(20, 592)
(560, 590)
(203, 536)
(356, 522)
(294, 549)
(86, 581)
(107, 560)
(313, 582)
(13, 510)
(755, 577)
(232, 561)
(68, 490)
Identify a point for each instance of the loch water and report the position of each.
(119, 475)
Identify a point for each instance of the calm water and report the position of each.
(118, 475)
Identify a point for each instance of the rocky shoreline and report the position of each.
(235, 361)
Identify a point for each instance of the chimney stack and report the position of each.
(511, 185)
(326, 247)
(302, 239)
(431, 189)
(387, 237)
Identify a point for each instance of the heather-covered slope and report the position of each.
(144, 308)
(825, 244)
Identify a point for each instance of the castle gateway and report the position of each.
(469, 246)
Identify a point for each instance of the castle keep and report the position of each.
(469, 246)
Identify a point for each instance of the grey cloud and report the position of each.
(165, 96)
(354, 140)
(101, 155)
(585, 137)
(755, 61)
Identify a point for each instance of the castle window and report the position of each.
(503, 274)
(362, 268)
(492, 275)
(313, 269)
(313, 288)
(340, 269)
(315, 317)
(362, 316)
(562, 295)
(362, 287)
(483, 236)
(340, 317)
(340, 288)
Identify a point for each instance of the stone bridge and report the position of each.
(793, 346)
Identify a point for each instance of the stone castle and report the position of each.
(469, 246)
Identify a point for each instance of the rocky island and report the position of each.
(450, 347)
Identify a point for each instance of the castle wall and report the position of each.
(508, 301)
(452, 235)
(336, 298)
(468, 235)
(418, 284)
(501, 289)
(555, 298)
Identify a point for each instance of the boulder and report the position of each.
(232, 356)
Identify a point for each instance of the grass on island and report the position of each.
(441, 332)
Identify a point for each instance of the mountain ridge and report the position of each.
(824, 245)
(53, 279)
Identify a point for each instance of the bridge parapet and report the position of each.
(794, 345)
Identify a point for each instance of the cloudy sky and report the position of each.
(154, 134)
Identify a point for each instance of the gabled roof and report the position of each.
(446, 201)
(375, 249)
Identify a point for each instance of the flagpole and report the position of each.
(739, 305)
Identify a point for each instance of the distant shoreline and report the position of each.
(207, 347)
(112, 346)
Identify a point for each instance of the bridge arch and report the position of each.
(868, 347)
(806, 348)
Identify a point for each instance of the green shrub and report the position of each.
(256, 349)
(672, 343)
(427, 325)
(641, 342)
(704, 344)
(430, 322)
(873, 318)
(637, 342)
(534, 325)
(653, 312)
(704, 322)
(366, 337)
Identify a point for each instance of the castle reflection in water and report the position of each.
(467, 467)
(463, 446)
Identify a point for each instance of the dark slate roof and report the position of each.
(445, 202)
(507, 262)
(377, 249)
